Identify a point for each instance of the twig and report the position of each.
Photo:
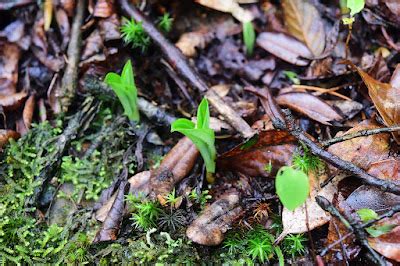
(322, 90)
(334, 160)
(387, 214)
(361, 133)
(353, 226)
(178, 61)
(70, 78)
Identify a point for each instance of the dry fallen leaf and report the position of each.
(47, 14)
(386, 169)
(228, 6)
(271, 147)
(9, 57)
(209, 228)
(94, 44)
(385, 97)
(13, 101)
(285, 47)
(388, 244)
(103, 8)
(309, 105)
(6, 134)
(63, 26)
(363, 151)
(304, 22)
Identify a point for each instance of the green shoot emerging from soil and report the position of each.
(132, 32)
(165, 23)
(124, 87)
(201, 134)
(249, 37)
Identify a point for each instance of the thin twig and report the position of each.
(332, 159)
(353, 226)
(331, 91)
(361, 133)
(178, 61)
(70, 78)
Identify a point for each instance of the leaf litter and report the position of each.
(90, 186)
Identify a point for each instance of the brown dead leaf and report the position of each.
(385, 97)
(29, 108)
(386, 169)
(252, 157)
(304, 22)
(175, 166)
(139, 184)
(188, 42)
(348, 108)
(109, 28)
(94, 44)
(228, 6)
(14, 31)
(394, 6)
(9, 57)
(388, 244)
(68, 6)
(111, 225)
(309, 105)
(362, 151)
(103, 8)
(209, 228)
(284, 47)
(6, 134)
(13, 101)
(63, 26)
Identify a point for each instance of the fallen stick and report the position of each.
(354, 226)
(178, 61)
(332, 159)
(361, 133)
(70, 78)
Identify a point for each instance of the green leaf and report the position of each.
(355, 6)
(125, 89)
(201, 135)
(367, 214)
(292, 76)
(249, 37)
(377, 231)
(203, 114)
(292, 187)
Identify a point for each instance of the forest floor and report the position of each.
(291, 116)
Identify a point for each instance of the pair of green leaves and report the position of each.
(200, 133)
(375, 231)
(125, 89)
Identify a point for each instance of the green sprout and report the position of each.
(367, 215)
(146, 212)
(355, 7)
(268, 167)
(249, 36)
(293, 245)
(165, 23)
(200, 198)
(201, 134)
(124, 87)
(132, 32)
(292, 76)
(172, 199)
(307, 162)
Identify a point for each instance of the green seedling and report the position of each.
(307, 162)
(200, 199)
(133, 33)
(367, 215)
(249, 36)
(293, 245)
(124, 87)
(292, 187)
(292, 76)
(165, 23)
(200, 133)
(355, 7)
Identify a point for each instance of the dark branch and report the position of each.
(361, 133)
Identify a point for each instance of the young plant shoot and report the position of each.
(200, 133)
(125, 89)
(132, 32)
(355, 7)
(249, 37)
